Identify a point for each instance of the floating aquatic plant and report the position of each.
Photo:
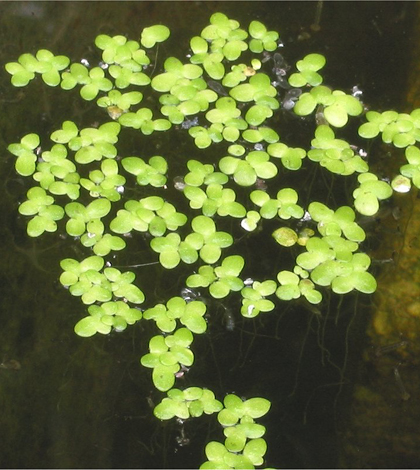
(166, 356)
(369, 193)
(228, 96)
(106, 317)
(335, 154)
(244, 446)
(189, 314)
(308, 71)
(337, 105)
(40, 205)
(44, 62)
(254, 300)
(400, 129)
(25, 151)
(190, 402)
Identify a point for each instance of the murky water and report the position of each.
(73, 402)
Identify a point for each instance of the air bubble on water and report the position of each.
(245, 225)
(267, 57)
(189, 295)
(356, 91)
(179, 183)
(188, 123)
(288, 104)
(290, 97)
(306, 217)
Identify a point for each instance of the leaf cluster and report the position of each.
(167, 355)
(224, 97)
(244, 446)
(220, 280)
(189, 314)
(204, 242)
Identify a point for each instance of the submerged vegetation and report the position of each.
(229, 100)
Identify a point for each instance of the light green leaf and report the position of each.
(88, 326)
(154, 34)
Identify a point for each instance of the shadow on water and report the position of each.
(73, 402)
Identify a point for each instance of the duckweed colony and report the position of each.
(223, 96)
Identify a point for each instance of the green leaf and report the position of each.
(305, 105)
(244, 174)
(256, 407)
(254, 450)
(215, 69)
(169, 259)
(257, 114)
(26, 163)
(336, 115)
(364, 282)
(231, 266)
(203, 225)
(98, 208)
(243, 93)
(154, 34)
(297, 80)
(38, 225)
(198, 45)
(257, 30)
(311, 62)
(210, 253)
(367, 204)
(236, 439)
(88, 326)
(164, 81)
(164, 376)
(20, 76)
(167, 409)
(285, 236)
(233, 49)
(182, 338)
(219, 289)
(51, 78)
(194, 322)
(215, 452)
(369, 130)
(68, 131)
(30, 141)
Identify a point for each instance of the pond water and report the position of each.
(74, 402)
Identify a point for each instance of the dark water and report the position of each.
(78, 402)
